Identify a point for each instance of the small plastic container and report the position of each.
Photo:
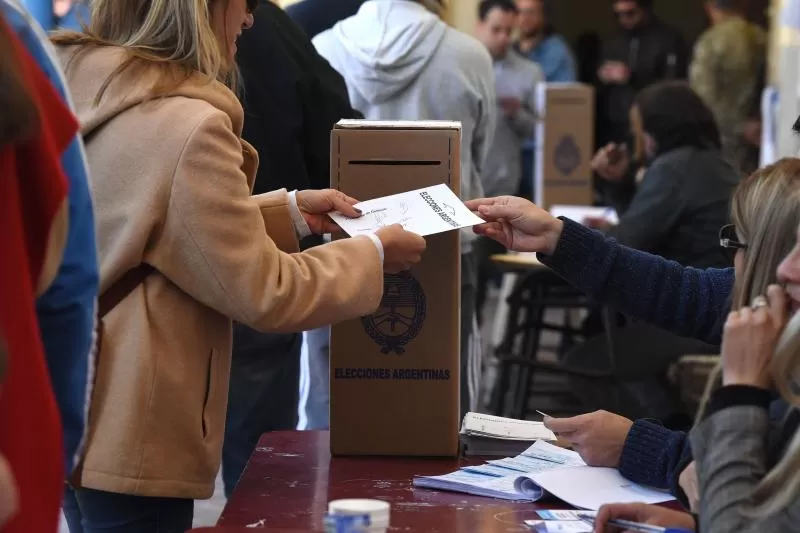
(357, 516)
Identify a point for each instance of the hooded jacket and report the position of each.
(401, 62)
(171, 178)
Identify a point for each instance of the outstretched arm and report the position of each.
(685, 301)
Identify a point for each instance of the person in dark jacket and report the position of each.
(292, 98)
(316, 16)
(682, 199)
(645, 50)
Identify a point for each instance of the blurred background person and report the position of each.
(683, 197)
(643, 51)
(676, 212)
(727, 71)
(515, 81)
(292, 98)
(539, 41)
(316, 16)
(401, 62)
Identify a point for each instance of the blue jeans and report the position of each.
(263, 394)
(96, 511)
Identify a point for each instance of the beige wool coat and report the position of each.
(171, 180)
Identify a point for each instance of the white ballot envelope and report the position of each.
(424, 211)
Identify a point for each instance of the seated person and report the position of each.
(746, 466)
(765, 210)
(682, 200)
(684, 300)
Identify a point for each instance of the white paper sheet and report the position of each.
(424, 212)
(552, 453)
(587, 487)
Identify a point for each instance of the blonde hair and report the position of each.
(766, 212)
(176, 35)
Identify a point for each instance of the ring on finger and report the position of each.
(758, 303)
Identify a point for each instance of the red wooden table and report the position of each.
(291, 478)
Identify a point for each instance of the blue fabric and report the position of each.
(555, 58)
(686, 301)
(654, 455)
(77, 16)
(66, 311)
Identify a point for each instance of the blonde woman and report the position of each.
(171, 179)
(748, 469)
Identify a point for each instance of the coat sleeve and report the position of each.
(221, 246)
(731, 453)
(653, 454)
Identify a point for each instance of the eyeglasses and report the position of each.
(729, 241)
(252, 5)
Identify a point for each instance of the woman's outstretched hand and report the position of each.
(517, 224)
(315, 206)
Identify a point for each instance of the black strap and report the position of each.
(122, 288)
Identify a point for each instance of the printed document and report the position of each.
(545, 469)
(424, 211)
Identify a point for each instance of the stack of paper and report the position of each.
(496, 436)
(541, 469)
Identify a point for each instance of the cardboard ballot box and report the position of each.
(564, 144)
(394, 375)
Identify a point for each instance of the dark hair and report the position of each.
(644, 4)
(19, 118)
(675, 116)
(547, 9)
(486, 6)
(726, 5)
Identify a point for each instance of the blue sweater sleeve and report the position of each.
(686, 301)
(654, 455)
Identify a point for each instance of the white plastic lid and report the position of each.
(377, 510)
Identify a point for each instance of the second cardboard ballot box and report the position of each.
(394, 375)
(565, 144)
